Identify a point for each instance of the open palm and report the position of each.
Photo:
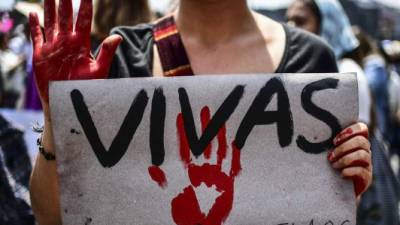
(63, 52)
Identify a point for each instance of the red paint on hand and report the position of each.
(348, 133)
(158, 176)
(360, 184)
(185, 206)
(359, 163)
(343, 136)
(63, 53)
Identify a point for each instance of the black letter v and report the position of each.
(124, 136)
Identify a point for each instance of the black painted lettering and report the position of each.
(157, 124)
(329, 223)
(197, 145)
(124, 136)
(257, 116)
(319, 113)
(345, 222)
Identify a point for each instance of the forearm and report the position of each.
(44, 184)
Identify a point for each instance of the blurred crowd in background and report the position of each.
(364, 34)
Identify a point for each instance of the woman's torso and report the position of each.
(284, 50)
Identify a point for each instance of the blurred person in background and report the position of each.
(377, 75)
(380, 203)
(20, 44)
(112, 13)
(15, 169)
(327, 18)
(11, 68)
(391, 52)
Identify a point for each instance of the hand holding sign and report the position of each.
(352, 156)
(63, 53)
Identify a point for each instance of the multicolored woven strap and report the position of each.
(173, 56)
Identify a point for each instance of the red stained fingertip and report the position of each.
(359, 184)
(342, 136)
(331, 156)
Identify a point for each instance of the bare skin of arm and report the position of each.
(43, 183)
(198, 22)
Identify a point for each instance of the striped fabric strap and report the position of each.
(173, 57)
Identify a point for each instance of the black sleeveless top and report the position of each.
(304, 52)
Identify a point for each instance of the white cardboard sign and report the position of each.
(210, 150)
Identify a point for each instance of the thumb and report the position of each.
(107, 52)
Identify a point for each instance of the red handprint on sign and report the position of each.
(185, 207)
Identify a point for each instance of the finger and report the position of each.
(50, 19)
(358, 158)
(361, 177)
(184, 149)
(205, 116)
(107, 52)
(65, 16)
(236, 166)
(36, 32)
(222, 146)
(351, 145)
(84, 21)
(353, 130)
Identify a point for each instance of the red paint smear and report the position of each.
(186, 209)
(359, 163)
(348, 134)
(219, 212)
(184, 150)
(343, 136)
(158, 176)
(205, 119)
(222, 146)
(348, 131)
(330, 156)
(236, 166)
(359, 184)
(209, 175)
(337, 156)
(185, 206)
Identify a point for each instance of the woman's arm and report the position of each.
(61, 53)
(43, 183)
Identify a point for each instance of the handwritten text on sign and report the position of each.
(203, 150)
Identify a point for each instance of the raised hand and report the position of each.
(63, 52)
(352, 155)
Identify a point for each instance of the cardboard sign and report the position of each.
(210, 150)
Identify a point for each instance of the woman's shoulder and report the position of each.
(306, 53)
